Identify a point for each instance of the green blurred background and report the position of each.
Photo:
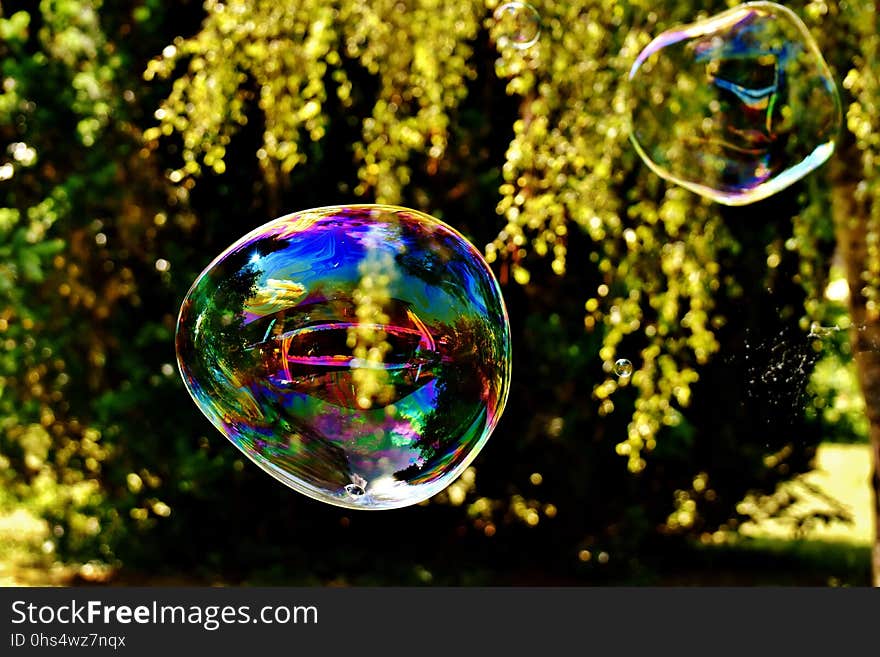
(139, 139)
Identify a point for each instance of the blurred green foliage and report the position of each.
(140, 139)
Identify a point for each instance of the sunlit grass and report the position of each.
(27, 555)
(836, 551)
(21, 538)
(843, 473)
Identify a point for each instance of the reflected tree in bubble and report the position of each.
(735, 107)
(358, 354)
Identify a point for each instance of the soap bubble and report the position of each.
(623, 368)
(358, 354)
(735, 107)
(518, 25)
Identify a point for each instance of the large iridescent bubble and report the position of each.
(735, 107)
(358, 354)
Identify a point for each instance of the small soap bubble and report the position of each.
(518, 25)
(358, 354)
(735, 107)
(623, 368)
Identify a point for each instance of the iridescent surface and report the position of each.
(359, 354)
(736, 107)
(518, 25)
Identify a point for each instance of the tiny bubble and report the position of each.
(519, 25)
(623, 368)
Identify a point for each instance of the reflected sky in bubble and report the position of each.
(359, 354)
(736, 107)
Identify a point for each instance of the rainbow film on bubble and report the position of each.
(359, 354)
